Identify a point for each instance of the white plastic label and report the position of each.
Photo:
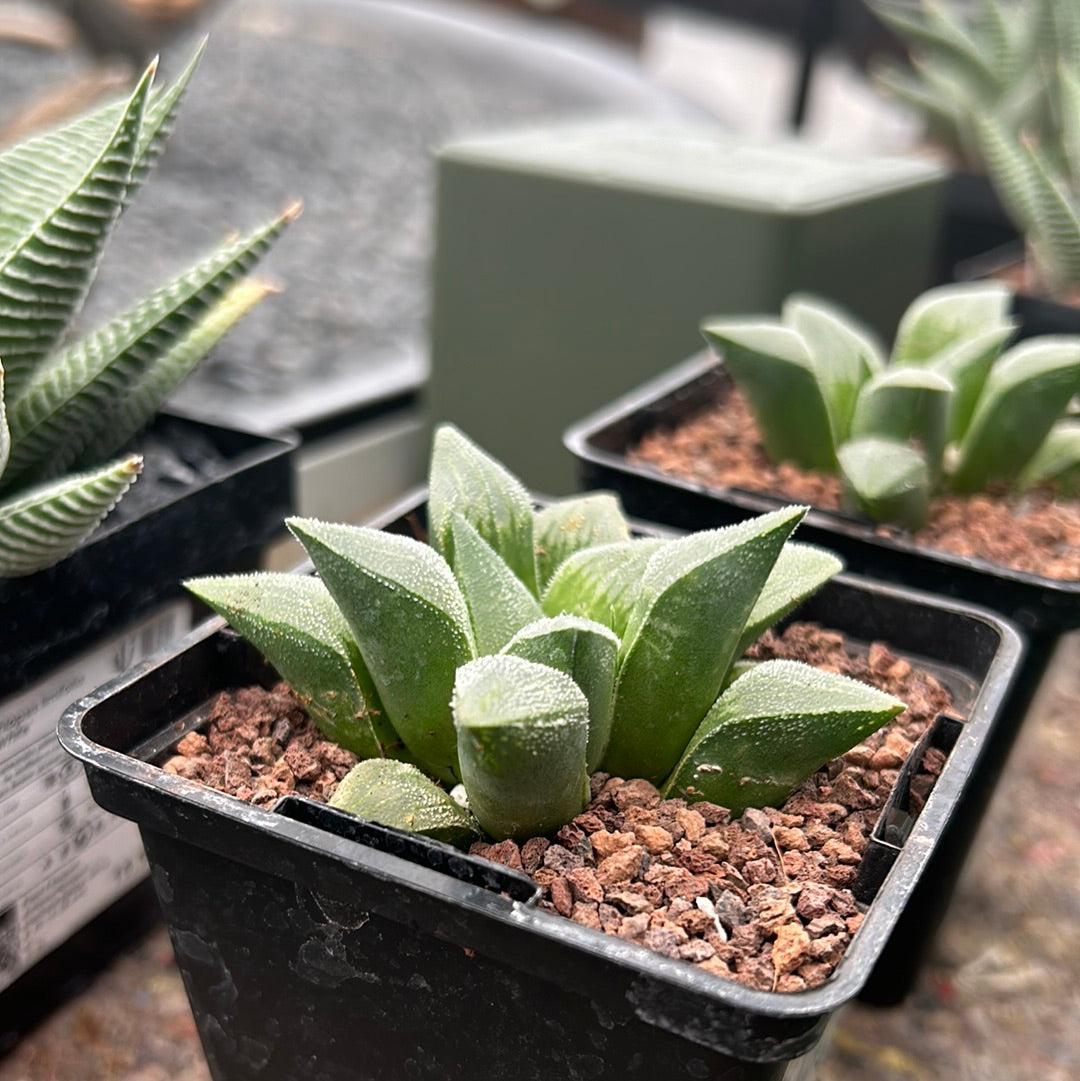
(63, 860)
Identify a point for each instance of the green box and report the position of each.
(573, 262)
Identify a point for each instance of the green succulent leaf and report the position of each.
(1056, 236)
(61, 195)
(397, 794)
(1057, 461)
(843, 356)
(800, 571)
(293, 621)
(69, 400)
(587, 652)
(601, 583)
(772, 366)
(5, 432)
(906, 405)
(966, 364)
(696, 596)
(885, 481)
(1069, 77)
(771, 729)
(410, 621)
(466, 480)
(1025, 394)
(939, 318)
(570, 525)
(522, 729)
(499, 602)
(43, 525)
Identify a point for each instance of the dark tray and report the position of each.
(307, 936)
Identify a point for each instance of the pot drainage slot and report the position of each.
(434, 855)
(897, 818)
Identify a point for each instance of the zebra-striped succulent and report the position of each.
(1009, 60)
(523, 649)
(948, 411)
(66, 407)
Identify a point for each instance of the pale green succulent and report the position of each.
(1006, 60)
(523, 649)
(65, 407)
(949, 411)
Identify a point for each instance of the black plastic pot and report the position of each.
(312, 943)
(973, 222)
(1043, 607)
(208, 500)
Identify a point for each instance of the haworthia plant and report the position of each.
(516, 680)
(953, 409)
(66, 407)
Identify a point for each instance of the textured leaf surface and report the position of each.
(399, 795)
(410, 622)
(60, 195)
(696, 596)
(465, 480)
(843, 356)
(70, 398)
(771, 729)
(940, 317)
(570, 525)
(908, 405)
(293, 621)
(42, 526)
(522, 729)
(601, 583)
(800, 571)
(886, 481)
(1025, 394)
(587, 652)
(772, 366)
(499, 602)
(1056, 237)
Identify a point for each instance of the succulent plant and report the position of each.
(66, 406)
(950, 410)
(1008, 60)
(523, 649)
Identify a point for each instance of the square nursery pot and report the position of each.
(629, 231)
(314, 943)
(72, 879)
(1044, 607)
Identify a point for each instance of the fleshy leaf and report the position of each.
(410, 622)
(569, 525)
(800, 571)
(464, 479)
(522, 731)
(966, 365)
(398, 795)
(943, 316)
(293, 621)
(906, 405)
(771, 729)
(601, 583)
(587, 652)
(1057, 461)
(886, 481)
(42, 526)
(772, 366)
(1024, 395)
(843, 356)
(61, 195)
(696, 595)
(68, 400)
(5, 433)
(499, 602)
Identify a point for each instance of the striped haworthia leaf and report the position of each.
(48, 522)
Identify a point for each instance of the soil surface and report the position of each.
(720, 447)
(765, 900)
